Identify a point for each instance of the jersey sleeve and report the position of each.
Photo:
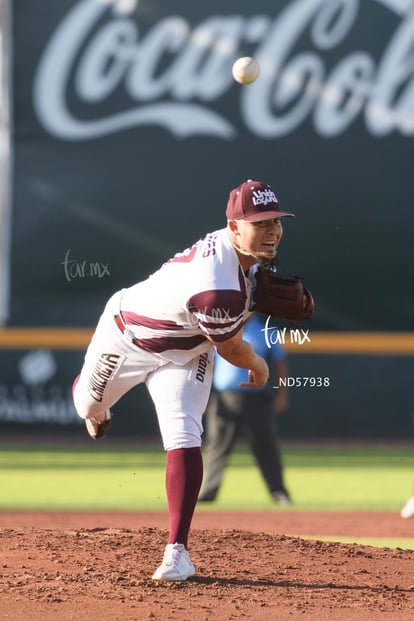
(219, 312)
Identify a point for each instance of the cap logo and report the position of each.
(263, 197)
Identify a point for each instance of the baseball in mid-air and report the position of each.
(245, 70)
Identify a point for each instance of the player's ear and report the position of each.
(233, 226)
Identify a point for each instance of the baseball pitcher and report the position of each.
(161, 332)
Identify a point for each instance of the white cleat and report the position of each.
(176, 564)
(408, 509)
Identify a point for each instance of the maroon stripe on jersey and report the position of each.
(159, 345)
(220, 338)
(215, 326)
(218, 303)
(147, 322)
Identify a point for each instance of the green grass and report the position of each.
(106, 478)
(102, 477)
(324, 478)
(95, 478)
(376, 542)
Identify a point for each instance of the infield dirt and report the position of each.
(250, 565)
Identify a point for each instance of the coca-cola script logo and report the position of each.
(98, 52)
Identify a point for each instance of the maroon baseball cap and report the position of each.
(253, 201)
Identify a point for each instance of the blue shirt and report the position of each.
(228, 377)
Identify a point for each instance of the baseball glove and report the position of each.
(281, 295)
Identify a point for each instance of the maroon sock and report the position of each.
(183, 476)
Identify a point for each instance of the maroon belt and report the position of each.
(119, 322)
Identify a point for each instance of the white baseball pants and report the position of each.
(113, 365)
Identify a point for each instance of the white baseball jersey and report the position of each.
(201, 291)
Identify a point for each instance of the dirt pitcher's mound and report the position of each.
(105, 574)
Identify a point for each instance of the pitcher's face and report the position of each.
(257, 239)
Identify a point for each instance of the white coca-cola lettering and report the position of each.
(113, 48)
(344, 94)
(172, 74)
(392, 100)
(61, 55)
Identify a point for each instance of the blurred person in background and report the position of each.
(232, 408)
